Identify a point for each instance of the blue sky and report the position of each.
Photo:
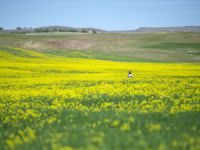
(104, 14)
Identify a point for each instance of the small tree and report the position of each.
(73, 30)
(94, 31)
(37, 30)
(1, 28)
(84, 31)
(18, 28)
(46, 30)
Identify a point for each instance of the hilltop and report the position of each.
(54, 29)
(96, 30)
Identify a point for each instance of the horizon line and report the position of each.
(134, 28)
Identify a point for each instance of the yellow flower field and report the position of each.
(51, 102)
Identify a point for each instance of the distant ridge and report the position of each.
(67, 29)
(95, 30)
(54, 29)
(164, 29)
(170, 29)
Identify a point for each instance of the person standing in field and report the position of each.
(130, 75)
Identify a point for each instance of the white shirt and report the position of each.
(130, 75)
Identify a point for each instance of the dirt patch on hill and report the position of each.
(35, 45)
(79, 44)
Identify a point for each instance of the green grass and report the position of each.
(92, 54)
(174, 46)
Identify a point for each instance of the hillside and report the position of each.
(151, 47)
(57, 94)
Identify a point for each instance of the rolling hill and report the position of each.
(150, 47)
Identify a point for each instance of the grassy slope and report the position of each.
(53, 102)
(156, 47)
